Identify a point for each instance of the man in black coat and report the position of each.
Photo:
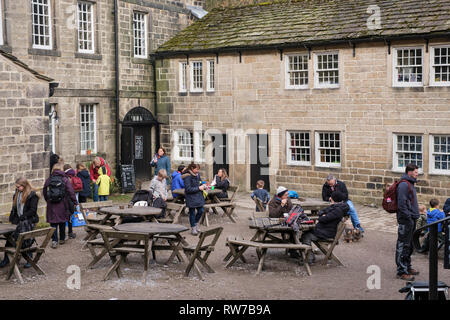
(407, 215)
(329, 219)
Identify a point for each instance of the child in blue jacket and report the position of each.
(177, 181)
(434, 214)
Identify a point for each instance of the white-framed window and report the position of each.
(199, 146)
(86, 27)
(326, 70)
(408, 148)
(298, 148)
(41, 24)
(88, 128)
(140, 34)
(1, 23)
(211, 76)
(182, 76)
(296, 71)
(196, 76)
(440, 154)
(184, 146)
(440, 65)
(408, 67)
(328, 149)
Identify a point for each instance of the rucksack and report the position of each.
(390, 196)
(295, 217)
(56, 189)
(77, 183)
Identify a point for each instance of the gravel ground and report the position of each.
(282, 277)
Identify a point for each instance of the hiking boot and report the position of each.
(406, 277)
(62, 241)
(72, 235)
(54, 244)
(413, 272)
(4, 262)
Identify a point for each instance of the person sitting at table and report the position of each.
(280, 204)
(158, 188)
(221, 182)
(194, 195)
(332, 184)
(177, 182)
(329, 218)
(24, 208)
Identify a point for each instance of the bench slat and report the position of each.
(262, 245)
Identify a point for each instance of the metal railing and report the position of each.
(433, 254)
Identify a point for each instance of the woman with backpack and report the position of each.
(24, 209)
(59, 194)
(193, 190)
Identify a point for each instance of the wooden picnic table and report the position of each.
(170, 232)
(145, 212)
(6, 231)
(314, 205)
(212, 194)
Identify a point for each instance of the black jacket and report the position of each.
(194, 196)
(446, 208)
(86, 179)
(29, 210)
(408, 208)
(223, 185)
(329, 219)
(340, 186)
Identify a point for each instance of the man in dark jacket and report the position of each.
(407, 214)
(329, 219)
(332, 184)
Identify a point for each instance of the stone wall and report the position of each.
(22, 130)
(366, 109)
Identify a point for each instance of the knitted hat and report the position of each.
(281, 190)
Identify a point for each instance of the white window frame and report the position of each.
(395, 151)
(50, 35)
(143, 33)
(94, 111)
(192, 80)
(90, 11)
(432, 153)
(288, 72)
(183, 76)
(432, 66)
(316, 71)
(199, 146)
(317, 149)
(177, 145)
(395, 82)
(1, 23)
(289, 151)
(210, 85)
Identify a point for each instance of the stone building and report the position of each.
(23, 94)
(301, 89)
(73, 42)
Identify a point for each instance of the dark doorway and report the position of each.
(220, 152)
(136, 146)
(259, 160)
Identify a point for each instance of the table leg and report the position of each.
(261, 261)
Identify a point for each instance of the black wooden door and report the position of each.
(141, 151)
(127, 146)
(220, 152)
(259, 160)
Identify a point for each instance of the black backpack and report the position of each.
(56, 189)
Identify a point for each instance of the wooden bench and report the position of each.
(238, 247)
(173, 212)
(233, 190)
(227, 207)
(327, 246)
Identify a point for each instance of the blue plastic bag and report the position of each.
(292, 194)
(77, 219)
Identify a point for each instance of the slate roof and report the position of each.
(24, 66)
(285, 23)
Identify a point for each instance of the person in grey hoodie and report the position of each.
(407, 214)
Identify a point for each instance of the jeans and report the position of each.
(95, 192)
(103, 198)
(62, 231)
(354, 216)
(404, 247)
(195, 218)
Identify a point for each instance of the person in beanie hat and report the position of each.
(280, 204)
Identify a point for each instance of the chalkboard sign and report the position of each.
(128, 178)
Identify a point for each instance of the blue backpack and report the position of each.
(292, 194)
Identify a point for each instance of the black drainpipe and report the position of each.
(158, 141)
(116, 47)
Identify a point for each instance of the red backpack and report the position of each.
(77, 184)
(390, 196)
